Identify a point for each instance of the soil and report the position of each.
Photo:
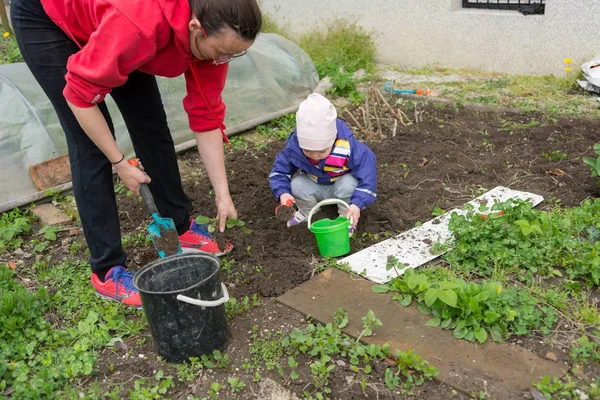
(444, 161)
(136, 358)
(168, 241)
(453, 155)
(284, 212)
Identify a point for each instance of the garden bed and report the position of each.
(453, 155)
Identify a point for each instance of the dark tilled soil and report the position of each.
(444, 161)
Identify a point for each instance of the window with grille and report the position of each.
(524, 6)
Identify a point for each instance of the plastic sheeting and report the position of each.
(275, 75)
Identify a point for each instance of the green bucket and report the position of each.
(332, 235)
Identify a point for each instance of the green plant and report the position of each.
(137, 239)
(514, 236)
(151, 388)
(437, 211)
(13, 225)
(236, 384)
(233, 308)
(49, 232)
(238, 143)
(554, 155)
(214, 390)
(9, 51)
(212, 224)
(265, 349)
(472, 310)
(567, 388)
(584, 350)
(594, 163)
(325, 342)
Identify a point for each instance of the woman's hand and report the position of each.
(225, 208)
(353, 214)
(132, 177)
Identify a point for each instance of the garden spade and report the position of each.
(162, 231)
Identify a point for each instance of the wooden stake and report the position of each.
(398, 117)
(356, 122)
(368, 116)
(379, 131)
(416, 114)
(395, 127)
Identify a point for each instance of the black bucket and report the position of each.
(183, 300)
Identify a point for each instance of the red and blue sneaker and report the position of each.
(117, 286)
(198, 240)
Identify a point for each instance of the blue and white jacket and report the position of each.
(349, 156)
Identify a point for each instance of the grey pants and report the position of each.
(308, 193)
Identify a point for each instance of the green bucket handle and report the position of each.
(326, 202)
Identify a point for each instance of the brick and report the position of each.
(51, 173)
(51, 215)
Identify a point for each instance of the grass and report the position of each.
(554, 95)
(9, 50)
(339, 51)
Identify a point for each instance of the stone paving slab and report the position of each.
(51, 215)
(504, 371)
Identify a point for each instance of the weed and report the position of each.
(554, 155)
(325, 342)
(567, 388)
(43, 357)
(511, 126)
(515, 235)
(231, 223)
(233, 308)
(584, 350)
(137, 239)
(214, 390)
(267, 349)
(50, 232)
(472, 310)
(594, 163)
(279, 128)
(151, 388)
(13, 225)
(9, 51)
(238, 143)
(121, 189)
(75, 247)
(236, 384)
(344, 44)
(437, 211)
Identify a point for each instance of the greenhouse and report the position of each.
(271, 80)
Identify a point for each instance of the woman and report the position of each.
(81, 50)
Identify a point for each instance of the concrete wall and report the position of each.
(414, 33)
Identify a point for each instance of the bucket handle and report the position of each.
(206, 303)
(326, 202)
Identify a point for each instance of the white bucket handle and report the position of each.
(206, 303)
(326, 202)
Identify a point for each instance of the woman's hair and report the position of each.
(242, 16)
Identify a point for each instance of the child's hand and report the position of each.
(354, 214)
(286, 199)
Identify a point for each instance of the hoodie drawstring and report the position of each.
(199, 83)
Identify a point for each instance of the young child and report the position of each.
(330, 161)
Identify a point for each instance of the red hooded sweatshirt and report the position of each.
(117, 37)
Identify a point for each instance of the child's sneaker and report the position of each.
(296, 219)
(198, 240)
(117, 286)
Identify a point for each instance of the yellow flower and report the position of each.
(6, 34)
(568, 69)
(568, 61)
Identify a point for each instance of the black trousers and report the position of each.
(46, 48)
